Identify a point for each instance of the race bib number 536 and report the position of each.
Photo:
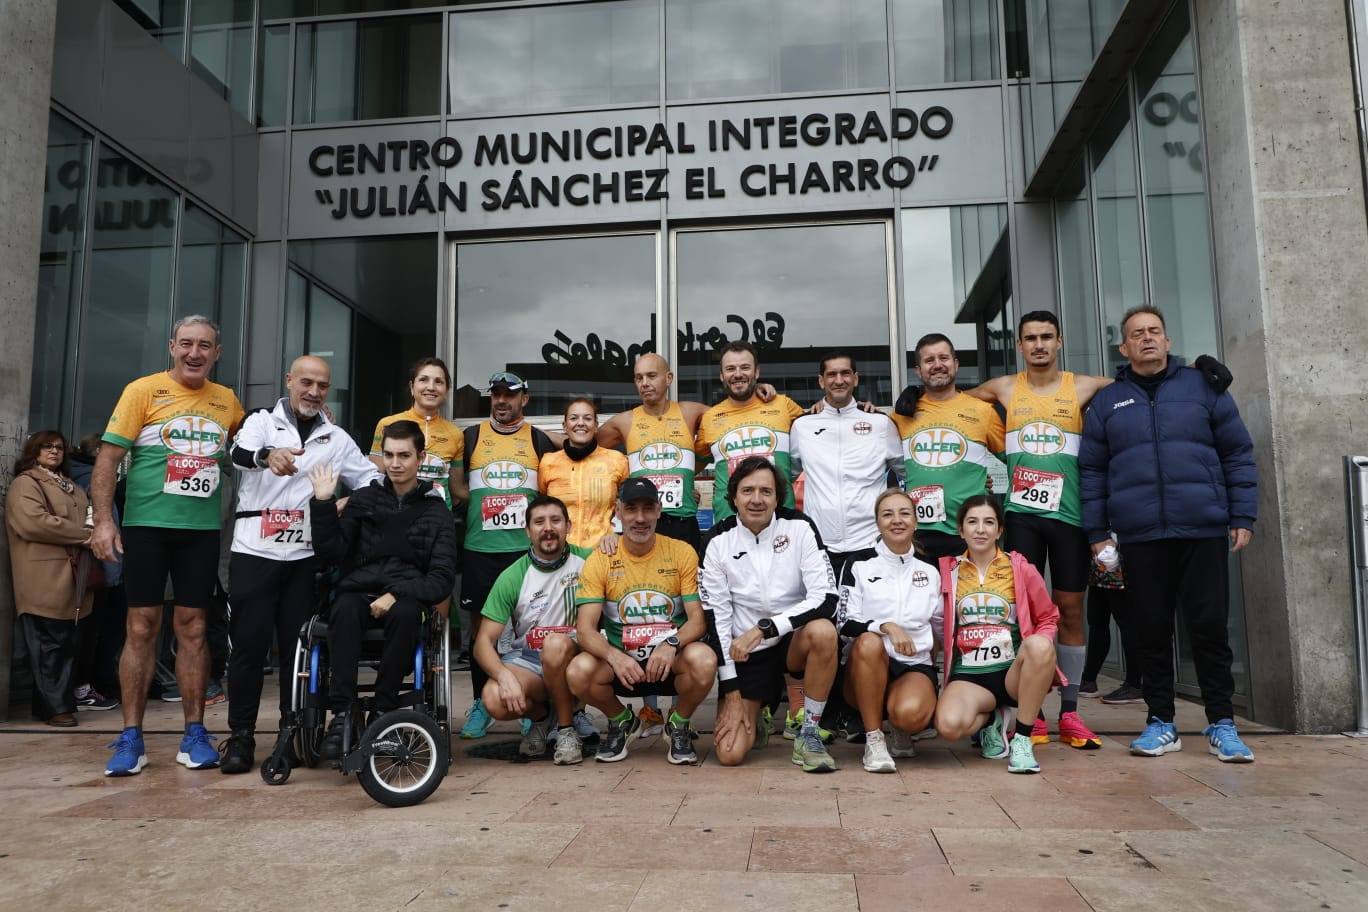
(191, 476)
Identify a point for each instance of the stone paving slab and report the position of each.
(942, 892)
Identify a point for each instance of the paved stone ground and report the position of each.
(1096, 830)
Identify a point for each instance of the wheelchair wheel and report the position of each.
(275, 772)
(309, 735)
(410, 764)
(441, 676)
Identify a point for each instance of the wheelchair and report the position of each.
(401, 756)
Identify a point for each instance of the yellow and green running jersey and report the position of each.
(1043, 434)
(731, 431)
(660, 447)
(643, 597)
(987, 637)
(444, 448)
(946, 448)
(179, 440)
(502, 473)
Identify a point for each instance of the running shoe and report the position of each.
(477, 721)
(1126, 693)
(652, 722)
(535, 738)
(992, 737)
(793, 723)
(584, 726)
(681, 750)
(1074, 733)
(926, 734)
(1089, 690)
(171, 694)
(238, 752)
(1224, 742)
(196, 748)
(766, 728)
(1157, 739)
(130, 754)
(88, 698)
(614, 745)
(901, 743)
(569, 747)
(1040, 731)
(213, 694)
(461, 662)
(811, 754)
(524, 726)
(876, 756)
(1021, 755)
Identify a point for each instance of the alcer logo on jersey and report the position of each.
(661, 456)
(193, 436)
(938, 447)
(984, 608)
(1040, 438)
(750, 440)
(645, 606)
(504, 476)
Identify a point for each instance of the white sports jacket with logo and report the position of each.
(879, 587)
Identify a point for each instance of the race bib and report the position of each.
(1036, 489)
(536, 637)
(984, 645)
(191, 476)
(285, 530)
(929, 501)
(436, 470)
(639, 640)
(501, 512)
(671, 488)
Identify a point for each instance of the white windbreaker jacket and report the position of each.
(879, 587)
(846, 455)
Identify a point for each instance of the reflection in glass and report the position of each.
(550, 57)
(1077, 284)
(1121, 275)
(568, 315)
(211, 280)
(273, 76)
(722, 48)
(164, 20)
(1174, 189)
(794, 293)
(957, 281)
(938, 41)
(367, 69)
(329, 336)
(65, 182)
(128, 303)
(221, 48)
(296, 9)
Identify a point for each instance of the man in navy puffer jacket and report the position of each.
(1166, 464)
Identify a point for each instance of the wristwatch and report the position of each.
(261, 457)
(767, 628)
(672, 641)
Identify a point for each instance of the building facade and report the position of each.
(555, 187)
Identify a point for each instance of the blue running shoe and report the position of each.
(130, 754)
(1157, 739)
(196, 750)
(1225, 743)
(525, 726)
(584, 726)
(477, 721)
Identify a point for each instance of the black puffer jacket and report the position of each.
(384, 543)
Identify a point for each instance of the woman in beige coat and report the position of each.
(46, 519)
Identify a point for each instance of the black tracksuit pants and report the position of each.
(270, 599)
(1104, 605)
(1193, 575)
(351, 615)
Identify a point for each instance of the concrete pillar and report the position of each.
(26, 32)
(1291, 250)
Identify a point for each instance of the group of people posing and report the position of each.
(905, 586)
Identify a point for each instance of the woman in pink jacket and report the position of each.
(999, 641)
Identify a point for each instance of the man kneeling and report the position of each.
(396, 543)
(537, 596)
(640, 626)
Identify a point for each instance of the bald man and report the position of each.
(271, 571)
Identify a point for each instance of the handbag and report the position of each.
(85, 569)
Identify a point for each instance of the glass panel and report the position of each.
(551, 57)
(221, 48)
(1175, 190)
(1077, 283)
(59, 272)
(293, 9)
(939, 41)
(330, 336)
(721, 48)
(568, 315)
(127, 319)
(368, 69)
(273, 76)
(957, 281)
(775, 288)
(211, 280)
(164, 20)
(1117, 225)
(296, 317)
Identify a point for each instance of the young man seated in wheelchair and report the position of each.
(396, 545)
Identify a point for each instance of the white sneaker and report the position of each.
(569, 748)
(876, 759)
(901, 743)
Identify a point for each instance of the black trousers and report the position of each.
(270, 599)
(479, 570)
(1103, 606)
(347, 624)
(51, 646)
(1192, 574)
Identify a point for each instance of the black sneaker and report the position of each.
(330, 748)
(88, 698)
(1125, 694)
(1089, 689)
(681, 745)
(615, 740)
(461, 662)
(238, 752)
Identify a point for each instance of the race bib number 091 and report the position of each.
(638, 640)
(984, 645)
(191, 476)
(929, 501)
(1036, 489)
(501, 512)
